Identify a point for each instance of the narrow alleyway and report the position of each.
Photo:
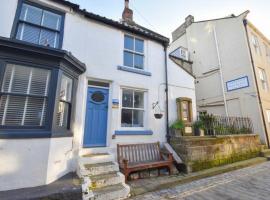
(252, 183)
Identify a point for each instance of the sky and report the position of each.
(164, 16)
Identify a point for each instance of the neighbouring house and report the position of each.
(73, 83)
(231, 63)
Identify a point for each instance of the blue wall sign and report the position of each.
(237, 84)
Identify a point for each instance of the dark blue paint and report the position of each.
(95, 132)
(134, 132)
(236, 80)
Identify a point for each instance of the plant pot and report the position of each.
(201, 131)
(178, 133)
(158, 115)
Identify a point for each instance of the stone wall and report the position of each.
(200, 153)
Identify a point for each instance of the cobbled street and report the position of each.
(250, 183)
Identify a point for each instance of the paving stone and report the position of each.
(245, 184)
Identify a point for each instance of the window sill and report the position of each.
(133, 132)
(133, 70)
(31, 134)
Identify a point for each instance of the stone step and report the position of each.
(103, 180)
(113, 192)
(96, 158)
(98, 168)
(265, 153)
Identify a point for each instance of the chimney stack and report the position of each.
(127, 15)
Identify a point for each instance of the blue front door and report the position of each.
(95, 131)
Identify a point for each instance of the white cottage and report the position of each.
(73, 82)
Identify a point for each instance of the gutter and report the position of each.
(167, 94)
(256, 84)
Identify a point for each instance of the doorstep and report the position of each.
(142, 186)
(66, 188)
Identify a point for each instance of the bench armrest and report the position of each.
(168, 154)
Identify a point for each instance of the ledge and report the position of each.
(133, 132)
(133, 70)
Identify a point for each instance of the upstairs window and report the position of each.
(256, 44)
(263, 79)
(39, 26)
(24, 96)
(132, 108)
(133, 52)
(267, 52)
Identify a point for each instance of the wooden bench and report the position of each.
(137, 157)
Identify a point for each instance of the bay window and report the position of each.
(132, 112)
(24, 96)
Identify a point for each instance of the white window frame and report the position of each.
(267, 52)
(256, 44)
(263, 79)
(145, 113)
(135, 52)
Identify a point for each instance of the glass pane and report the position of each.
(28, 33)
(40, 82)
(97, 97)
(138, 100)
(127, 98)
(66, 88)
(128, 59)
(129, 42)
(31, 14)
(139, 47)
(20, 79)
(138, 61)
(49, 38)
(138, 118)
(126, 120)
(51, 20)
(35, 111)
(62, 114)
(11, 110)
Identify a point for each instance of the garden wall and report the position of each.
(200, 153)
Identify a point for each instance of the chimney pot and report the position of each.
(127, 15)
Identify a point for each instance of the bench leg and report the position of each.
(170, 169)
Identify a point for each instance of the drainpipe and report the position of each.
(256, 84)
(221, 73)
(167, 94)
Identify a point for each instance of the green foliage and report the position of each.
(198, 125)
(178, 125)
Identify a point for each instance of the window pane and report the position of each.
(138, 118)
(40, 82)
(138, 62)
(138, 99)
(11, 110)
(126, 120)
(127, 98)
(35, 111)
(66, 88)
(129, 43)
(49, 38)
(51, 20)
(139, 46)
(20, 79)
(62, 114)
(128, 59)
(28, 33)
(31, 14)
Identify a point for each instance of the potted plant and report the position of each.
(199, 128)
(178, 128)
